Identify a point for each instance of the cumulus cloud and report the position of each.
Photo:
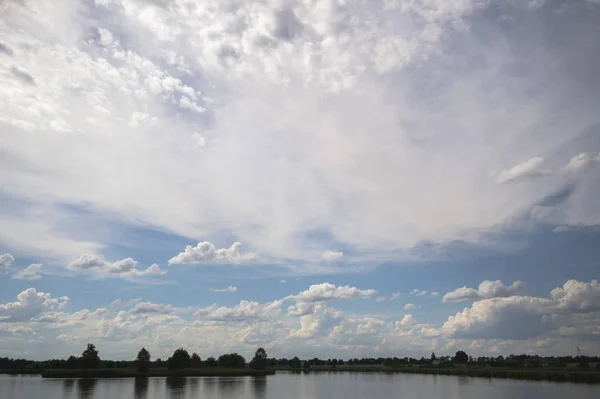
(327, 292)
(31, 272)
(332, 255)
(524, 317)
(417, 292)
(206, 252)
(148, 308)
(409, 306)
(124, 268)
(30, 304)
(486, 289)
(319, 322)
(500, 318)
(579, 163)
(529, 168)
(6, 261)
(231, 288)
(392, 297)
(578, 296)
(243, 312)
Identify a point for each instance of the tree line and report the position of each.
(181, 359)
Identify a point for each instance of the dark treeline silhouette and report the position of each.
(181, 359)
(460, 358)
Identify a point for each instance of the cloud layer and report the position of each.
(277, 124)
(498, 325)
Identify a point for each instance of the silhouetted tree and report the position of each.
(433, 358)
(180, 360)
(210, 362)
(196, 362)
(90, 358)
(295, 363)
(461, 357)
(72, 362)
(232, 360)
(143, 361)
(259, 361)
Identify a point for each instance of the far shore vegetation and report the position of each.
(181, 363)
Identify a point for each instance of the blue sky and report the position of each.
(321, 178)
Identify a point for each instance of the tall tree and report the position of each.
(143, 361)
(210, 362)
(180, 360)
(433, 358)
(72, 362)
(232, 360)
(461, 357)
(196, 362)
(295, 363)
(90, 358)
(259, 361)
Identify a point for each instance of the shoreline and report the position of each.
(132, 373)
(551, 375)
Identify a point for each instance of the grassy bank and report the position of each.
(539, 374)
(124, 373)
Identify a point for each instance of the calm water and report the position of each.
(292, 386)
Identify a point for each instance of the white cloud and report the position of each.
(322, 122)
(578, 163)
(486, 289)
(106, 37)
(327, 292)
(392, 297)
(29, 305)
(524, 317)
(409, 306)
(231, 288)
(500, 318)
(332, 255)
(123, 268)
(317, 323)
(141, 119)
(528, 168)
(6, 260)
(185, 102)
(199, 141)
(417, 292)
(31, 272)
(206, 251)
(516, 324)
(578, 296)
(435, 293)
(148, 307)
(243, 312)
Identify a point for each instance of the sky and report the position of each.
(322, 178)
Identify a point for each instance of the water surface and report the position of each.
(292, 386)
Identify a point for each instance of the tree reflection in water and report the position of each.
(68, 384)
(260, 387)
(193, 381)
(230, 387)
(176, 387)
(140, 388)
(86, 387)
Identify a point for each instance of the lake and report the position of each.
(292, 386)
